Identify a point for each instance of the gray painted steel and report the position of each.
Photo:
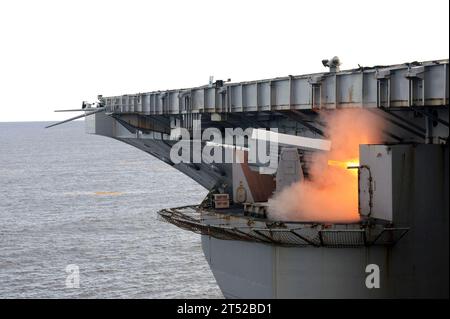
(403, 85)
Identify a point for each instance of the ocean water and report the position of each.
(69, 198)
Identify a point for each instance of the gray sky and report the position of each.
(55, 54)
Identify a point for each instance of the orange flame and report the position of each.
(350, 165)
(331, 192)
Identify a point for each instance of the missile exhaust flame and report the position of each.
(330, 194)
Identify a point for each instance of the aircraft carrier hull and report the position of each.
(252, 270)
(402, 182)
